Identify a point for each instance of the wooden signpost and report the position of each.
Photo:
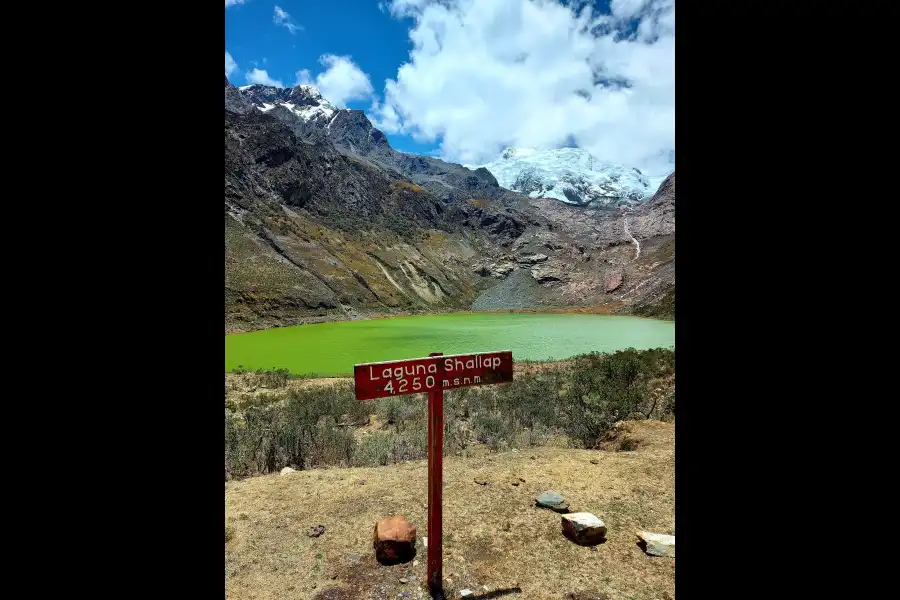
(433, 375)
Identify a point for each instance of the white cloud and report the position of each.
(260, 76)
(341, 81)
(484, 74)
(233, 2)
(230, 65)
(281, 17)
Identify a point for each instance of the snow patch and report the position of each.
(570, 175)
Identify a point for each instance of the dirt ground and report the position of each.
(496, 542)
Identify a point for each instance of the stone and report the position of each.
(594, 461)
(531, 259)
(287, 470)
(614, 280)
(394, 540)
(658, 544)
(466, 593)
(583, 528)
(404, 580)
(553, 500)
(481, 481)
(316, 531)
(547, 274)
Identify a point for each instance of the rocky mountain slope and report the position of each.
(324, 221)
(313, 119)
(570, 175)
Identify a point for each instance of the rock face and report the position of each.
(583, 528)
(658, 544)
(394, 540)
(657, 216)
(553, 500)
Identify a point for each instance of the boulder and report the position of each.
(553, 500)
(531, 259)
(394, 540)
(287, 470)
(658, 544)
(583, 528)
(545, 273)
(614, 280)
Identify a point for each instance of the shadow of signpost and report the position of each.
(486, 595)
(498, 593)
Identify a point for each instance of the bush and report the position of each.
(313, 427)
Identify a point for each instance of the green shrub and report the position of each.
(313, 426)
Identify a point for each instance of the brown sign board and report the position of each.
(415, 375)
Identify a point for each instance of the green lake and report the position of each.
(330, 349)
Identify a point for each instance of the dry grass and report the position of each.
(493, 534)
(409, 186)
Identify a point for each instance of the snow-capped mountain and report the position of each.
(303, 101)
(571, 175)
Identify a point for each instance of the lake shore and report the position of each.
(609, 308)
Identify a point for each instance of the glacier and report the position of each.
(571, 175)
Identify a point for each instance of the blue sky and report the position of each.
(477, 75)
(377, 42)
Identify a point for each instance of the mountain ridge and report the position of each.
(316, 232)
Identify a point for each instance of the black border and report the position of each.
(157, 248)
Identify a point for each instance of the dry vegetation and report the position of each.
(494, 535)
(272, 422)
(408, 186)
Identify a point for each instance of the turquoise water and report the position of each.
(330, 349)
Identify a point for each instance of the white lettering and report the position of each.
(403, 385)
(448, 364)
(417, 369)
(398, 372)
(389, 387)
(372, 375)
(386, 373)
(432, 368)
(429, 382)
(470, 364)
(466, 381)
(477, 379)
(446, 383)
(496, 362)
(417, 385)
(456, 381)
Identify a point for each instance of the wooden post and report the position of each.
(435, 486)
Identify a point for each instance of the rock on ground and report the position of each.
(287, 470)
(658, 544)
(394, 540)
(552, 500)
(583, 528)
